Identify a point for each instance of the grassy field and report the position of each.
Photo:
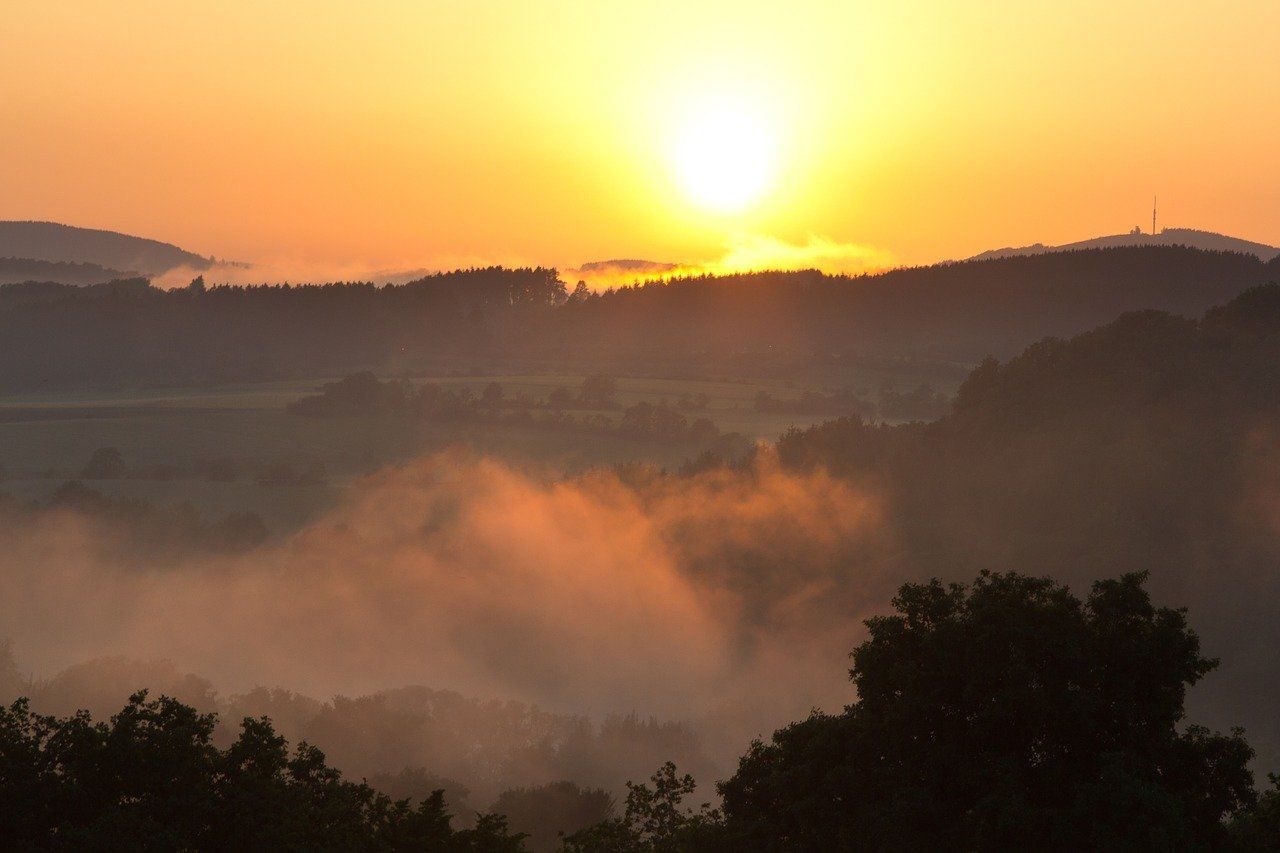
(725, 396)
(179, 426)
(46, 439)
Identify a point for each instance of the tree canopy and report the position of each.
(1005, 714)
(152, 779)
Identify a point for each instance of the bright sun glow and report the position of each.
(724, 157)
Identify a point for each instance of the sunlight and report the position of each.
(725, 157)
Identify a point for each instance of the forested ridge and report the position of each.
(127, 333)
(1149, 442)
(53, 241)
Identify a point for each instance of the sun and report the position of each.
(724, 156)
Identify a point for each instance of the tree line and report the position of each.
(125, 333)
(1006, 713)
(590, 409)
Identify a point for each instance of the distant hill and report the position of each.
(50, 241)
(629, 265)
(1168, 237)
(619, 271)
(14, 270)
(953, 311)
(781, 324)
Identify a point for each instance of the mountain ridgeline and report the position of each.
(1193, 237)
(784, 324)
(51, 241)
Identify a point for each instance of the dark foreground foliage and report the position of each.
(152, 779)
(549, 812)
(1003, 714)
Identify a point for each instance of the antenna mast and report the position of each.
(1153, 216)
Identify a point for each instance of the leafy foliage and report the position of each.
(656, 820)
(1006, 714)
(1259, 828)
(152, 778)
(546, 813)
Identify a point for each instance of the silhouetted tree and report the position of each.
(662, 422)
(545, 813)
(1006, 714)
(152, 778)
(360, 394)
(1259, 828)
(656, 819)
(106, 463)
(417, 785)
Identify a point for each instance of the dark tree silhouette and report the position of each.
(545, 813)
(417, 784)
(152, 778)
(1006, 714)
(1259, 828)
(656, 819)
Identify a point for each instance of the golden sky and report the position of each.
(392, 133)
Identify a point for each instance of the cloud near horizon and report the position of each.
(746, 253)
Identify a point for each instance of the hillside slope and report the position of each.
(1149, 443)
(51, 241)
(801, 325)
(15, 270)
(1190, 237)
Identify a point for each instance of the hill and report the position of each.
(1148, 443)
(1190, 237)
(631, 265)
(50, 241)
(795, 325)
(951, 312)
(15, 270)
(600, 275)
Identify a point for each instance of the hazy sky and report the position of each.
(408, 132)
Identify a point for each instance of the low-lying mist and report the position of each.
(728, 600)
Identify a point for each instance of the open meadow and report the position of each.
(235, 448)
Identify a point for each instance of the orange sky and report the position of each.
(341, 135)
